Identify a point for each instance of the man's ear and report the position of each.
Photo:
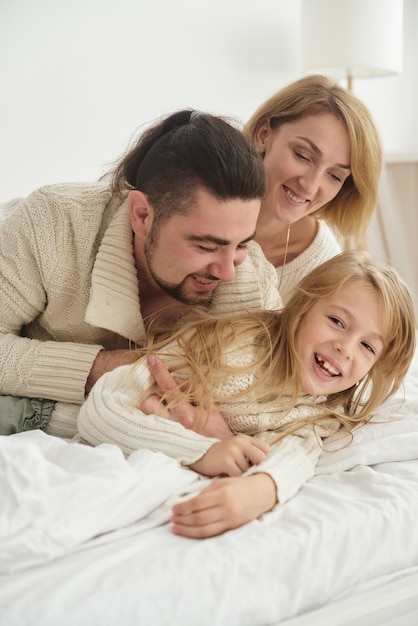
(141, 212)
(262, 136)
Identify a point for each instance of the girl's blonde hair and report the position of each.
(200, 347)
(350, 212)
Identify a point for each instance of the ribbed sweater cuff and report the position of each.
(289, 465)
(63, 421)
(61, 371)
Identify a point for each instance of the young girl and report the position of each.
(282, 381)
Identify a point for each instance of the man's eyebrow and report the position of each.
(319, 152)
(215, 240)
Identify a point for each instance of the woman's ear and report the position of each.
(262, 135)
(141, 212)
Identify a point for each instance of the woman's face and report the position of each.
(306, 163)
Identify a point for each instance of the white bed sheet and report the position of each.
(85, 535)
(385, 601)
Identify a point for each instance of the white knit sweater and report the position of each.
(109, 416)
(69, 288)
(323, 247)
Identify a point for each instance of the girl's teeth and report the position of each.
(326, 365)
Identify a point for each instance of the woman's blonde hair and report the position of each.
(350, 212)
(200, 347)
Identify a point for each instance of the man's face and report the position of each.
(191, 254)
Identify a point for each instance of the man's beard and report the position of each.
(176, 291)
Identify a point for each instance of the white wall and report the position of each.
(394, 100)
(79, 77)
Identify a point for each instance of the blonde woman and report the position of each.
(322, 156)
(281, 380)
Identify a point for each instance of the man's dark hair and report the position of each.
(185, 152)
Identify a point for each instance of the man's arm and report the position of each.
(106, 361)
(47, 349)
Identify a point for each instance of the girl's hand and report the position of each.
(185, 413)
(232, 456)
(227, 503)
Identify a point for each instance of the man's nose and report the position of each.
(223, 267)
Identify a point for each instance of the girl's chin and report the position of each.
(320, 389)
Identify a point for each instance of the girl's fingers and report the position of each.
(152, 406)
(260, 444)
(163, 378)
(255, 456)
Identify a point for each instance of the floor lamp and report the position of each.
(348, 39)
(352, 38)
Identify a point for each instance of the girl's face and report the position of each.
(306, 163)
(339, 339)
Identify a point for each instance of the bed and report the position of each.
(85, 537)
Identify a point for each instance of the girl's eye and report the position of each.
(368, 347)
(336, 321)
(337, 179)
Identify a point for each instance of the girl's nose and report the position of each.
(344, 347)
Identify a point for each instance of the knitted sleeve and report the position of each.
(31, 245)
(109, 416)
(267, 280)
(291, 462)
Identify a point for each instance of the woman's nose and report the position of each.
(310, 181)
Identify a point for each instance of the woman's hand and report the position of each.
(227, 503)
(232, 456)
(185, 413)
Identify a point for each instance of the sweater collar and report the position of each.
(114, 295)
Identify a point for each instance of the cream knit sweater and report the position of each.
(323, 247)
(69, 288)
(109, 416)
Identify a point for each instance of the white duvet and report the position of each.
(85, 535)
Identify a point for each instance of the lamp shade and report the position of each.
(356, 38)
